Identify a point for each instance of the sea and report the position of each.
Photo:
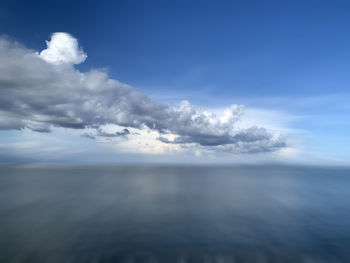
(146, 213)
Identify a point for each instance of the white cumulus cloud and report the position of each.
(63, 49)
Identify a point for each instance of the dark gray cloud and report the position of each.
(38, 94)
(100, 133)
(252, 140)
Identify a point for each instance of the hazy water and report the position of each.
(174, 214)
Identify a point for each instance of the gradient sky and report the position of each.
(287, 62)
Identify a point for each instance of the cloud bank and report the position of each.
(43, 90)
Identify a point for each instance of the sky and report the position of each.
(175, 82)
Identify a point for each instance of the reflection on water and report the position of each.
(174, 214)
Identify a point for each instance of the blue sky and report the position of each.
(287, 62)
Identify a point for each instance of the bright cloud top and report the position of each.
(37, 93)
(63, 49)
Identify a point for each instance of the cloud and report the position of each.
(36, 92)
(251, 140)
(63, 49)
(102, 133)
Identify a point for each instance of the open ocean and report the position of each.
(174, 214)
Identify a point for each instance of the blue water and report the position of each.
(174, 214)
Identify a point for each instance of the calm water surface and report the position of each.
(174, 214)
